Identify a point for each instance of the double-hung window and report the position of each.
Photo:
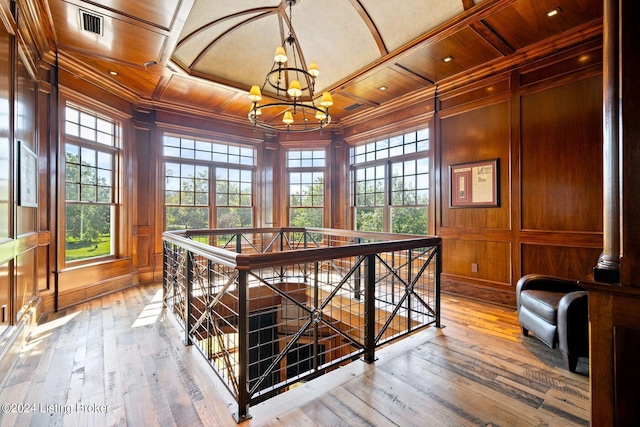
(390, 184)
(91, 158)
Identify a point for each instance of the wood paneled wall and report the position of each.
(20, 238)
(543, 122)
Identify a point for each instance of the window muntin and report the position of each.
(408, 143)
(390, 184)
(189, 148)
(370, 191)
(409, 196)
(207, 182)
(89, 126)
(89, 192)
(306, 192)
(306, 159)
(234, 198)
(186, 196)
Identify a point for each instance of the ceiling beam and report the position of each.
(364, 15)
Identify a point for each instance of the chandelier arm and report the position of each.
(293, 128)
(285, 70)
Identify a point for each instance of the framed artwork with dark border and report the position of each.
(474, 184)
(28, 183)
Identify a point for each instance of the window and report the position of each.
(390, 184)
(186, 196)
(305, 170)
(199, 172)
(233, 198)
(90, 197)
(409, 196)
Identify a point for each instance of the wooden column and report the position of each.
(608, 268)
(613, 307)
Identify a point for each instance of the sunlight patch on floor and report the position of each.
(45, 328)
(43, 331)
(151, 312)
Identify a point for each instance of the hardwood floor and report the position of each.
(118, 361)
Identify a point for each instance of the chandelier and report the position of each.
(295, 109)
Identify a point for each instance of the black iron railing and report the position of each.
(269, 308)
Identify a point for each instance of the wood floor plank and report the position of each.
(481, 405)
(120, 352)
(351, 410)
(113, 389)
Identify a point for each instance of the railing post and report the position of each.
(305, 269)
(357, 284)
(316, 320)
(243, 348)
(165, 273)
(409, 294)
(438, 271)
(209, 308)
(188, 298)
(370, 310)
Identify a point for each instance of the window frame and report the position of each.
(381, 154)
(211, 160)
(115, 152)
(307, 169)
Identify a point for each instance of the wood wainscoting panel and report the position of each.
(82, 283)
(561, 261)
(626, 353)
(475, 135)
(477, 259)
(561, 157)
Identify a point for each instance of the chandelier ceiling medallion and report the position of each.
(295, 109)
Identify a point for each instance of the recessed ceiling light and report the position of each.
(113, 73)
(554, 12)
(584, 58)
(382, 88)
(448, 59)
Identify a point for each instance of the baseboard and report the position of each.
(12, 342)
(499, 295)
(76, 296)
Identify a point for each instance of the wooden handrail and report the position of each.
(241, 261)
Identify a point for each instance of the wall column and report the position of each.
(608, 267)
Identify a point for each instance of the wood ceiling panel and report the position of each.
(190, 91)
(139, 80)
(466, 47)
(121, 40)
(159, 13)
(395, 83)
(526, 22)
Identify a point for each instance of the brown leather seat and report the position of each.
(556, 311)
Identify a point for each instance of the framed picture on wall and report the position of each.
(474, 184)
(28, 182)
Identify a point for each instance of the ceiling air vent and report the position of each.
(353, 106)
(91, 22)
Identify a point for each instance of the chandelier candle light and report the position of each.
(294, 112)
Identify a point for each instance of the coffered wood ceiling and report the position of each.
(207, 53)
